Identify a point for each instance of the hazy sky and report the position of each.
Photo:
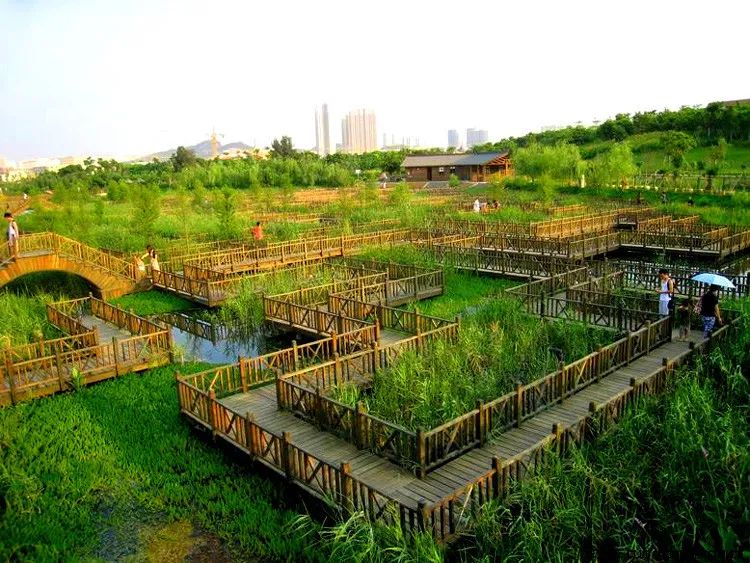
(129, 77)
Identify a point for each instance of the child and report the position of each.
(684, 311)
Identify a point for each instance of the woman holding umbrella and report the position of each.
(709, 303)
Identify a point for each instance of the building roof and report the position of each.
(468, 159)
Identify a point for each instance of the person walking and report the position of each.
(258, 232)
(709, 310)
(477, 207)
(683, 314)
(11, 235)
(665, 291)
(153, 259)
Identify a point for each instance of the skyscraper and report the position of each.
(322, 133)
(358, 132)
(453, 141)
(476, 137)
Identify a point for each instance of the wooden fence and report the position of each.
(247, 373)
(76, 251)
(61, 371)
(447, 517)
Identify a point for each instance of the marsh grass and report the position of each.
(82, 473)
(498, 345)
(24, 319)
(670, 481)
(244, 309)
(153, 302)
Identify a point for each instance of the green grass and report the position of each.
(463, 292)
(153, 302)
(82, 474)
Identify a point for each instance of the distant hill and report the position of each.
(201, 150)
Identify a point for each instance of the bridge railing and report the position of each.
(308, 318)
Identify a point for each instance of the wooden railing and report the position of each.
(43, 348)
(62, 371)
(308, 319)
(448, 516)
(303, 392)
(66, 316)
(475, 427)
(79, 252)
(261, 370)
(279, 453)
(122, 318)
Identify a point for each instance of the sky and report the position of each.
(130, 77)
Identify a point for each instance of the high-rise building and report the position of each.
(476, 137)
(453, 140)
(322, 133)
(358, 132)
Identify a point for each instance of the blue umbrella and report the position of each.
(713, 279)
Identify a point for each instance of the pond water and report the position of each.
(197, 339)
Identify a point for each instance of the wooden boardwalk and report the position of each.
(325, 465)
(104, 342)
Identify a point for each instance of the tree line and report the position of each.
(706, 125)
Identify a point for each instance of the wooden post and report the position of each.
(422, 515)
(279, 397)
(557, 430)
(243, 373)
(347, 496)
(212, 412)
(114, 355)
(560, 380)
(421, 454)
(9, 373)
(295, 355)
(497, 467)
(480, 426)
(648, 337)
(286, 458)
(251, 435)
(59, 368)
(519, 404)
(359, 422)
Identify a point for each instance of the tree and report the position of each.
(612, 167)
(183, 158)
(282, 148)
(225, 207)
(561, 162)
(718, 154)
(146, 209)
(676, 144)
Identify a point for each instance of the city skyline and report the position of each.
(111, 82)
(359, 132)
(322, 131)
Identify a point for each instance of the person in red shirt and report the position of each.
(258, 232)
